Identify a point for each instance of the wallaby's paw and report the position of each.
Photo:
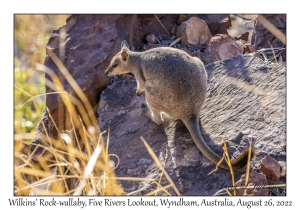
(144, 107)
(146, 110)
(138, 93)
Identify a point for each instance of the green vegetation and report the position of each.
(31, 33)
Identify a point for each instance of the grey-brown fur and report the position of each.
(175, 85)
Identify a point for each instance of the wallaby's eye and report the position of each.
(115, 65)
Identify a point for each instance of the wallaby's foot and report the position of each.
(139, 93)
(146, 110)
(151, 114)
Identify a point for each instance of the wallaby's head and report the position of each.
(119, 63)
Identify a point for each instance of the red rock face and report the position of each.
(151, 38)
(270, 167)
(257, 180)
(89, 44)
(223, 46)
(193, 31)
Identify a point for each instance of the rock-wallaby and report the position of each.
(175, 85)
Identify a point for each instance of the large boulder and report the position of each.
(223, 46)
(88, 43)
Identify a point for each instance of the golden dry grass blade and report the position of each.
(152, 154)
(163, 166)
(32, 98)
(273, 29)
(33, 172)
(88, 170)
(159, 190)
(228, 192)
(175, 41)
(75, 86)
(217, 165)
(66, 99)
(227, 158)
(52, 120)
(162, 24)
(135, 179)
(23, 136)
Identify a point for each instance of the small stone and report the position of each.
(263, 38)
(270, 167)
(193, 31)
(181, 19)
(151, 38)
(258, 180)
(223, 46)
(283, 168)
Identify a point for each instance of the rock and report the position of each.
(223, 46)
(247, 48)
(151, 38)
(283, 169)
(193, 31)
(270, 167)
(258, 180)
(256, 54)
(149, 46)
(207, 55)
(181, 19)
(262, 38)
(149, 24)
(199, 55)
(245, 97)
(217, 23)
(187, 51)
(165, 43)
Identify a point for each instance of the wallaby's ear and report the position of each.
(124, 55)
(124, 45)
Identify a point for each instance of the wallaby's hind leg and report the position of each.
(152, 114)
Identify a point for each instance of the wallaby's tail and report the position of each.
(193, 127)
